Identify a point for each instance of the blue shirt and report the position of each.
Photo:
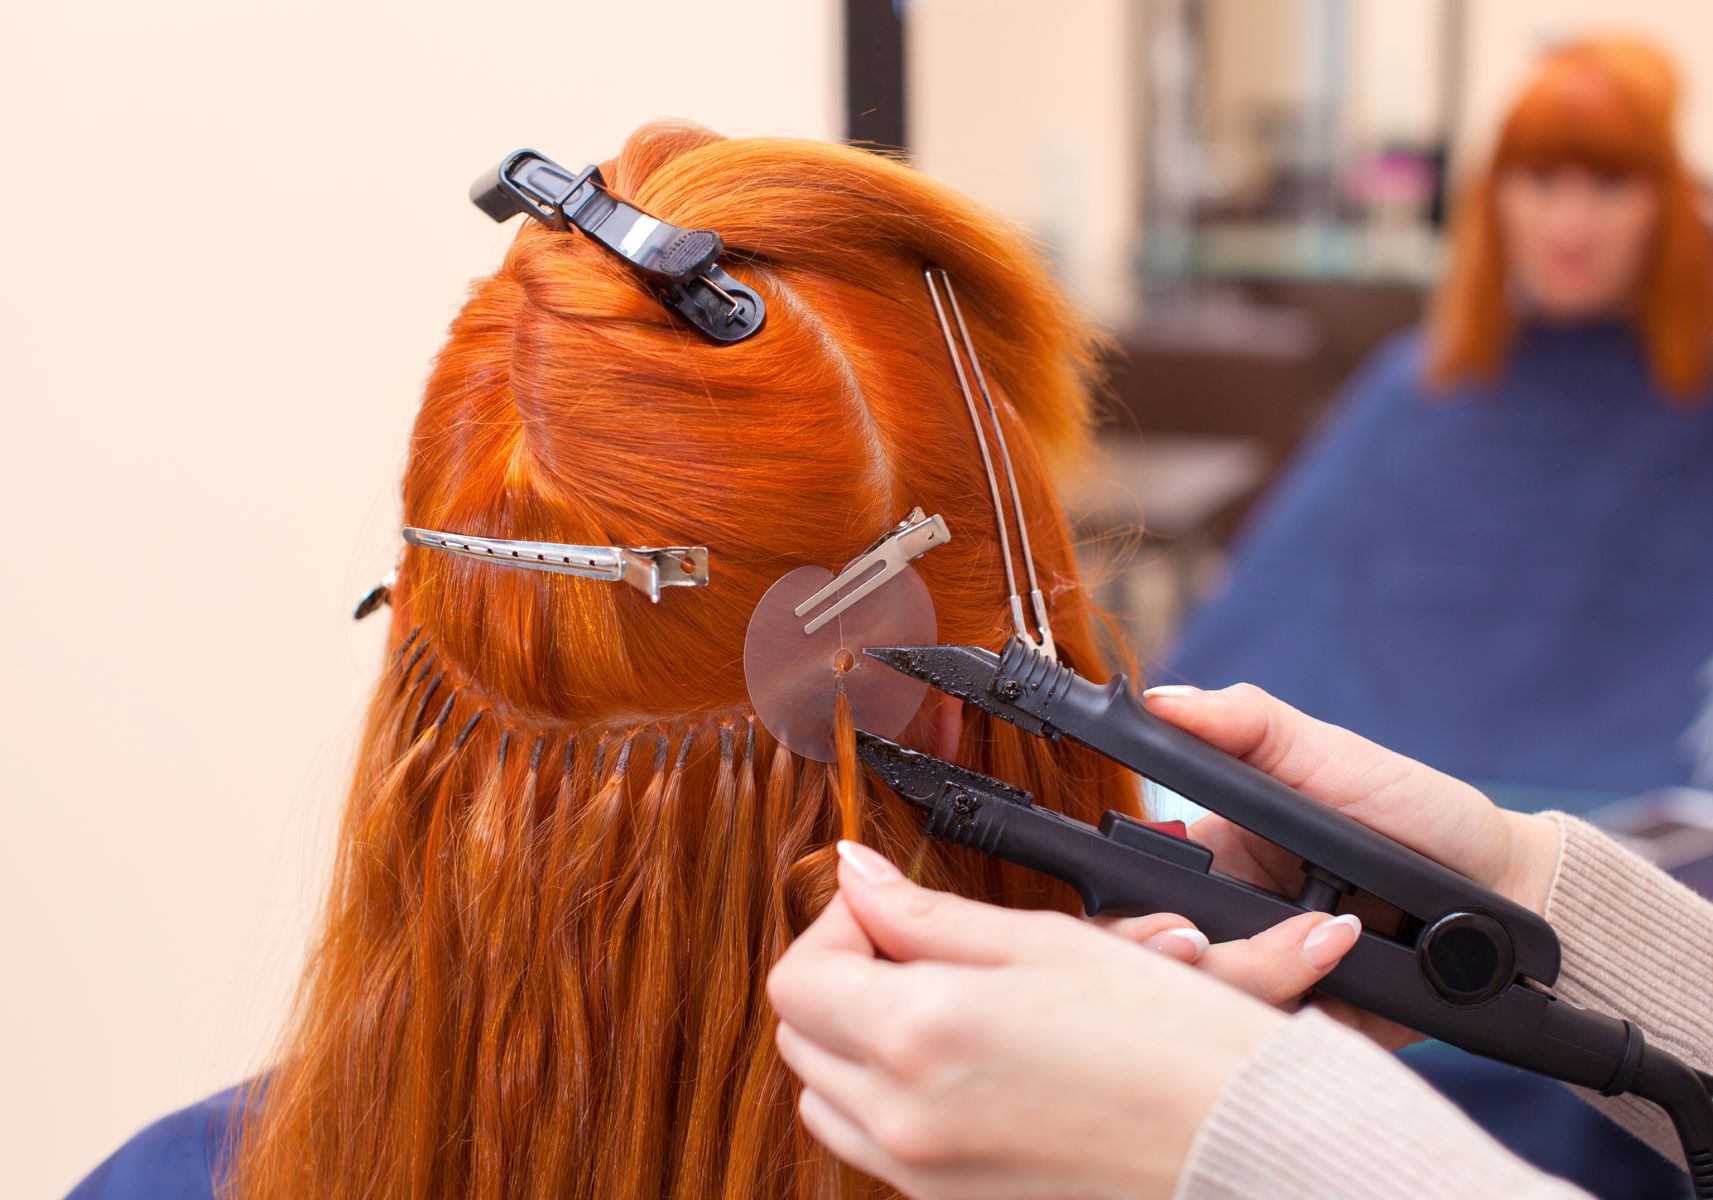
(173, 1159)
(1513, 583)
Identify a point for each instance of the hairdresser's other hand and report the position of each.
(957, 1050)
(1512, 853)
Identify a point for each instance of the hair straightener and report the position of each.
(1465, 965)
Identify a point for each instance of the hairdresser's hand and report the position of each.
(1512, 853)
(1017, 1055)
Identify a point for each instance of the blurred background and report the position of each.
(235, 235)
(1252, 195)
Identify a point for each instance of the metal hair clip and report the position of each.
(381, 593)
(645, 568)
(1045, 642)
(679, 262)
(911, 538)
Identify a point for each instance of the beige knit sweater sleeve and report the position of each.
(1321, 1112)
(1637, 944)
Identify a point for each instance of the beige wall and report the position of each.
(1035, 109)
(1256, 51)
(1027, 106)
(234, 236)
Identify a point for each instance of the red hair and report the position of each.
(570, 854)
(1608, 105)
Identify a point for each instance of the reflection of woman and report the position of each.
(1495, 558)
(569, 853)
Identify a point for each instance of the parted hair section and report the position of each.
(570, 854)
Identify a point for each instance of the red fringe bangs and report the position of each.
(1578, 114)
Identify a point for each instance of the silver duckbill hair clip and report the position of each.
(645, 568)
(910, 539)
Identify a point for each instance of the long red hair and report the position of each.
(570, 853)
(1609, 105)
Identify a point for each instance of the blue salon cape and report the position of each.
(1513, 583)
(173, 1159)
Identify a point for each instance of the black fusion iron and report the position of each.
(1464, 965)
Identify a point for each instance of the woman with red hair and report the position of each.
(570, 850)
(1494, 556)
(1586, 212)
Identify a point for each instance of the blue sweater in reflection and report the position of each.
(1513, 583)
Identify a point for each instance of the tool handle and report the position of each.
(1111, 720)
(1126, 868)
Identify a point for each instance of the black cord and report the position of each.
(1686, 1095)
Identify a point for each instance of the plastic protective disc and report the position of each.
(793, 676)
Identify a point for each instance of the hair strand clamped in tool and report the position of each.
(680, 263)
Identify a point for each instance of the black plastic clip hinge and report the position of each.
(681, 264)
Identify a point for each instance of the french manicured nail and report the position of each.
(1331, 940)
(1174, 942)
(868, 864)
(1169, 691)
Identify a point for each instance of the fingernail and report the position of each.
(1173, 940)
(1331, 940)
(868, 864)
(1171, 690)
